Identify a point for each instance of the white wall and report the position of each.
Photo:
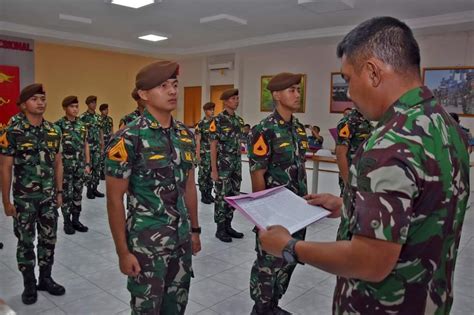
(317, 60)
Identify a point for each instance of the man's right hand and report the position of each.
(328, 201)
(10, 210)
(129, 265)
(214, 175)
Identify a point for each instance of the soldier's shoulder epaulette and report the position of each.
(183, 128)
(342, 122)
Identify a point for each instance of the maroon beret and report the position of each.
(229, 93)
(135, 95)
(91, 99)
(283, 81)
(103, 106)
(68, 100)
(209, 106)
(29, 91)
(155, 74)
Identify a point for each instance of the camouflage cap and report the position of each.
(103, 106)
(209, 106)
(29, 91)
(68, 100)
(228, 94)
(91, 99)
(283, 81)
(156, 73)
(135, 95)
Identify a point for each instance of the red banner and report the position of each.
(9, 92)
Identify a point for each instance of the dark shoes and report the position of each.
(46, 283)
(221, 233)
(77, 225)
(272, 309)
(231, 232)
(207, 198)
(29, 295)
(90, 193)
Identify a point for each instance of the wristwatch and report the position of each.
(196, 230)
(289, 253)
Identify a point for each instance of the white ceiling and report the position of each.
(268, 21)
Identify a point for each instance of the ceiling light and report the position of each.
(73, 18)
(133, 3)
(153, 37)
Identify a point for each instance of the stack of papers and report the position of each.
(277, 206)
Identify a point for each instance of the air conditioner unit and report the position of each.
(221, 66)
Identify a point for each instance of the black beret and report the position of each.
(91, 99)
(283, 81)
(103, 106)
(229, 93)
(68, 100)
(135, 95)
(156, 73)
(209, 106)
(29, 91)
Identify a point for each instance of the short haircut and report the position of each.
(247, 125)
(385, 38)
(317, 128)
(103, 107)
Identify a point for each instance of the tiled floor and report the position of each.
(86, 265)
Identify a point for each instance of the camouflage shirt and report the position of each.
(93, 125)
(74, 137)
(129, 118)
(280, 147)
(107, 124)
(202, 128)
(352, 131)
(226, 129)
(34, 150)
(157, 162)
(408, 184)
(15, 118)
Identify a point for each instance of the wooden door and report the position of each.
(216, 91)
(192, 105)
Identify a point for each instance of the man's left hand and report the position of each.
(274, 239)
(196, 243)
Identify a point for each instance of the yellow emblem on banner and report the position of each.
(345, 132)
(260, 148)
(118, 152)
(3, 140)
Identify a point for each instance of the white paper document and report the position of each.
(277, 206)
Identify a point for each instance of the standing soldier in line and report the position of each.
(32, 149)
(136, 113)
(96, 144)
(107, 124)
(226, 165)
(352, 130)
(277, 157)
(76, 163)
(153, 159)
(203, 154)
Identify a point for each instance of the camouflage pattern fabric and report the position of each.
(278, 147)
(157, 162)
(409, 184)
(129, 118)
(226, 129)
(352, 131)
(93, 125)
(204, 176)
(74, 138)
(34, 150)
(107, 124)
(15, 118)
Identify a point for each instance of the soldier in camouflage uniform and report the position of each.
(136, 113)
(153, 159)
(203, 153)
(96, 144)
(403, 209)
(352, 130)
(226, 165)
(15, 118)
(76, 163)
(107, 124)
(31, 147)
(277, 157)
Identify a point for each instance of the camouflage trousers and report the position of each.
(93, 178)
(32, 215)
(270, 275)
(227, 185)
(204, 175)
(72, 189)
(162, 287)
(102, 158)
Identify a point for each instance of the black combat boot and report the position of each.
(29, 295)
(221, 233)
(90, 192)
(231, 232)
(278, 310)
(68, 228)
(206, 198)
(77, 225)
(46, 283)
(97, 193)
(262, 309)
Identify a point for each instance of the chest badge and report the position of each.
(212, 126)
(4, 141)
(188, 156)
(118, 152)
(260, 148)
(156, 157)
(345, 132)
(284, 144)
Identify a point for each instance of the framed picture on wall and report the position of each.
(266, 100)
(453, 87)
(339, 99)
